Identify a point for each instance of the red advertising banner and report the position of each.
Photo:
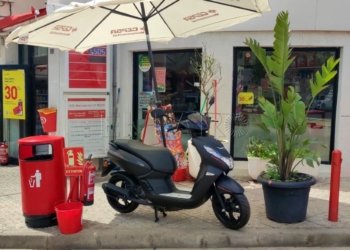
(88, 70)
(160, 76)
(85, 114)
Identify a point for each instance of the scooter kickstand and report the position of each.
(156, 209)
(162, 209)
(156, 214)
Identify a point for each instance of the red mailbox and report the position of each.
(43, 181)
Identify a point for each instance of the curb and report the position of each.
(176, 238)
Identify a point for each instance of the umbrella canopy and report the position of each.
(80, 26)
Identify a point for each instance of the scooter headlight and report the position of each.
(228, 160)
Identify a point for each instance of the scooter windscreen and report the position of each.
(200, 121)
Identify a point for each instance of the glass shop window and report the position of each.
(175, 81)
(251, 77)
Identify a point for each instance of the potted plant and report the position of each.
(286, 192)
(259, 152)
(300, 163)
(207, 68)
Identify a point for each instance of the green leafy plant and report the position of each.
(273, 174)
(286, 114)
(137, 131)
(260, 148)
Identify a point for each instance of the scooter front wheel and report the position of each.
(237, 208)
(120, 204)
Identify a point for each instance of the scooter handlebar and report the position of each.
(172, 128)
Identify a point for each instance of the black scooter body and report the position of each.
(155, 179)
(151, 169)
(147, 170)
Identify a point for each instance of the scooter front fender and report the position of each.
(226, 184)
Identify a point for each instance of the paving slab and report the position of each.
(104, 228)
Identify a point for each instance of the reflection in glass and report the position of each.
(251, 77)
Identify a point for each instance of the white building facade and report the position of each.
(317, 27)
(314, 24)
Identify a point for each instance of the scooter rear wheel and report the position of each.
(119, 204)
(237, 212)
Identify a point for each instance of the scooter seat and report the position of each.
(159, 158)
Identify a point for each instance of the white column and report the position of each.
(342, 123)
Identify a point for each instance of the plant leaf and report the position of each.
(281, 55)
(259, 52)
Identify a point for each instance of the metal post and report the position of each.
(334, 186)
(153, 71)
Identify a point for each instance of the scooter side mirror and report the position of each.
(157, 113)
(212, 101)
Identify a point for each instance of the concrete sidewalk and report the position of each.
(103, 227)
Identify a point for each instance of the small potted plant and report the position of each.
(207, 68)
(286, 192)
(259, 153)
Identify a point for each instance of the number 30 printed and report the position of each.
(11, 92)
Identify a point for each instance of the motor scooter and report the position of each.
(145, 176)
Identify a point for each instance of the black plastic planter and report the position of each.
(286, 202)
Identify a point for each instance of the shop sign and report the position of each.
(144, 99)
(87, 124)
(246, 98)
(88, 70)
(144, 63)
(13, 89)
(161, 78)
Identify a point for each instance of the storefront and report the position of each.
(81, 90)
(312, 42)
(115, 80)
(24, 77)
(24, 91)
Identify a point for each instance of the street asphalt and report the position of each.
(104, 228)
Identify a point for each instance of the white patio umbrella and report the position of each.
(80, 26)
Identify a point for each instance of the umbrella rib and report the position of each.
(158, 12)
(231, 5)
(92, 30)
(154, 9)
(120, 13)
(164, 8)
(137, 10)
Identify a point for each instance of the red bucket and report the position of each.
(48, 117)
(69, 217)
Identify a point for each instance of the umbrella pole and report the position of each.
(153, 71)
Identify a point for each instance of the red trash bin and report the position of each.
(43, 181)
